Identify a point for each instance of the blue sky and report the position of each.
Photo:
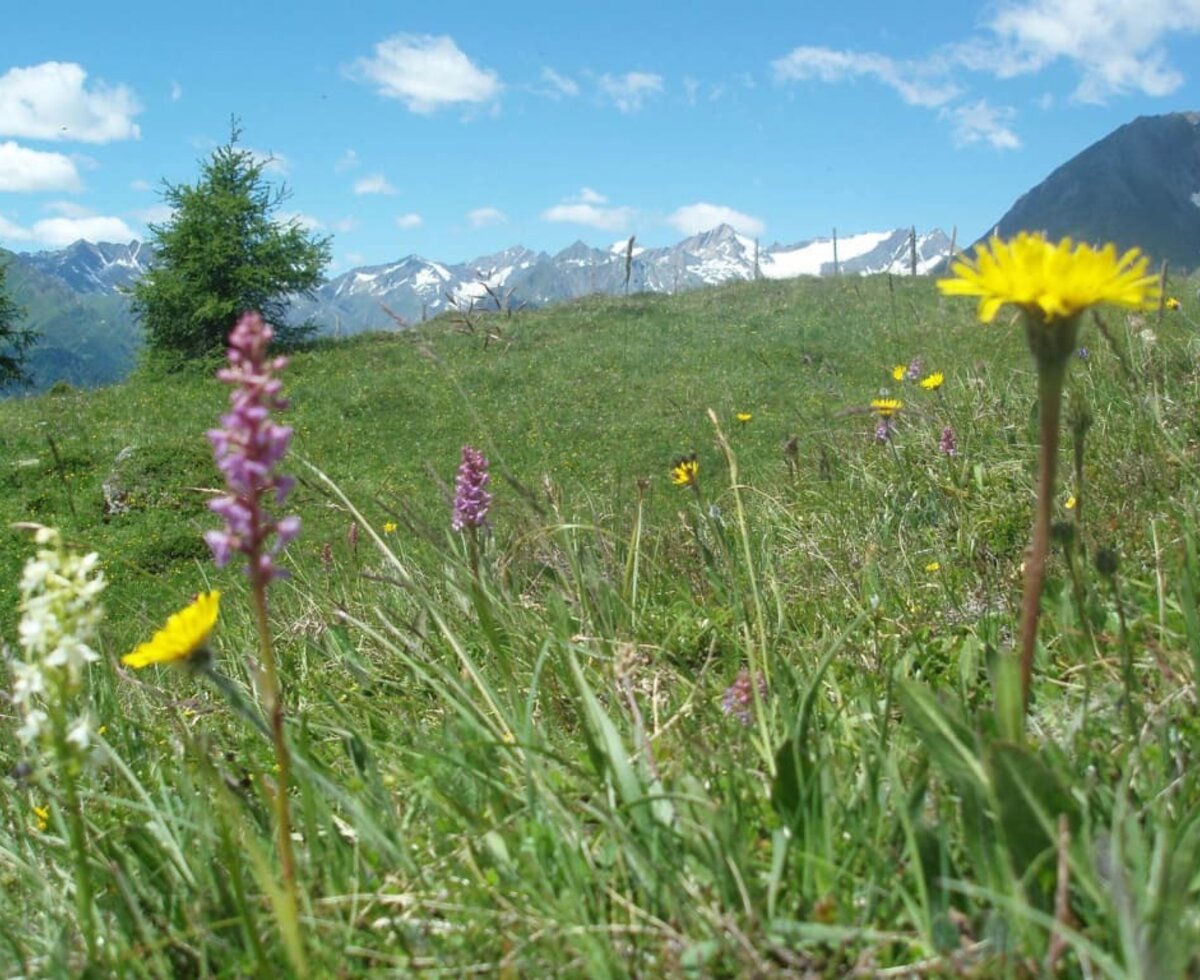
(453, 130)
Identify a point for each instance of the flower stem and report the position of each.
(78, 833)
(1051, 372)
(273, 706)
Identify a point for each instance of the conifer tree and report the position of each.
(15, 340)
(223, 251)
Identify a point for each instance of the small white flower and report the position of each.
(80, 734)
(32, 727)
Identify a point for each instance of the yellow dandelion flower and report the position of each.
(685, 471)
(1071, 502)
(1049, 281)
(899, 371)
(42, 817)
(1172, 303)
(933, 381)
(183, 636)
(886, 407)
(744, 417)
(389, 527)
(933, 566)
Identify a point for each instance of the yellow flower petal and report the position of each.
(185, 632)
(1051, 281)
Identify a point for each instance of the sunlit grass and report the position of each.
(518, 753)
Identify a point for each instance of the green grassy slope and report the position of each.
(529, 768)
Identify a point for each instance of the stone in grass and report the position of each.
(116, 487)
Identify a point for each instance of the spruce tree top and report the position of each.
(224, 251)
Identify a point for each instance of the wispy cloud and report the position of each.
(692, 219)
(409, 221)
(140, 185)
(486, 217)
(630, 91)
(346, 224)
(980, 122)
(374, 184)
(52, 101)
(176, 91)
(1116, 46)
(910, 80)
(23, 169)
(157, 214)
(558, 85)
(426, 73)
(347, 161)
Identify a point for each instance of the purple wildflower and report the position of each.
(738, 700)
(1083, 353)
(247, 447)
(471, 497)
(883, 429)
(914, 370)
(948, 444)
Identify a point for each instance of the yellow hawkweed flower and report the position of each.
(899, 371)
(389, 527)
(1048, 281)
(1071, 502)
(885, 408)
(1172, 303)
(933, 381)
(685, 471)
(743, 417)
(933, 566)
(183, 636)
(42, 817)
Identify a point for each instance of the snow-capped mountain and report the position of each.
(416, 288)
(103, 267)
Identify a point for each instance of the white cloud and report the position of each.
(176, 91)
(695, 218)
(22, 169)
(11, 232)
(1116, 45)
(981, 122)
(691, 86)
(629, 92)
(305, 221)
(589, 196)
(486, 217)
(272, 162)
(375, 184)
(606, 219)
(50, 102)
(347, 161)
(348, 223)
(558, 85)
(426, 73)
(409, 221)
(140, 185)
(916, 83)
(57, 232)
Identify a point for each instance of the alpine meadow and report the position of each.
(752, 712)
(776, 554)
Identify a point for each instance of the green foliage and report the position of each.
(224, 251)
(15, 340)
(517, 762)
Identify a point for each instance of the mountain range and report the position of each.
(1140, 185)
(77, 297)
